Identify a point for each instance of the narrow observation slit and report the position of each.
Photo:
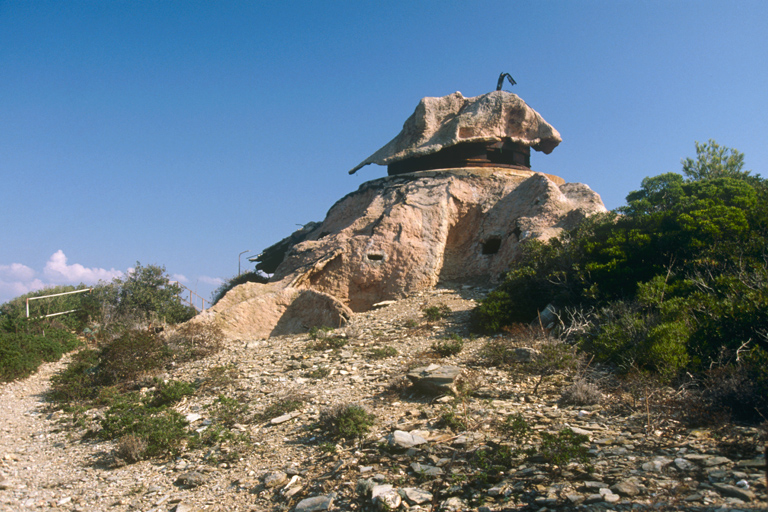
(492, 245)
(375, 257)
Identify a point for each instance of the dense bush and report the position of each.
(129, 356)
(152, 429)
(21, 353)
(115, 311)
(145, 294)
(13, 314)
(674, 281)
(346, 421)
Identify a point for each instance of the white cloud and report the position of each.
(180, 278)
(11, 289)
(17, 279)
(16, 272)
(58, 272)
(215, 281)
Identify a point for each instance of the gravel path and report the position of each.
(46, 464)
(37, 470)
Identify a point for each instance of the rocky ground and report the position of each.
(423, 453)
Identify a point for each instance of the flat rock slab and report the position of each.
(405, 439)
(190, 479)
(416, 496)
(734, 492)
(285, 417)
(435, 379)
(314, 504)
(426, 470)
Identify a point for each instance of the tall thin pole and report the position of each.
(238, 260)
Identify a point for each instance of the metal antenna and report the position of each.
(501, 80)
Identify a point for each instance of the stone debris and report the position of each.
(410, 452)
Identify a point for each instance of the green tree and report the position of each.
(675, 280)
(145, 294)
(148, 291)
(714, 161)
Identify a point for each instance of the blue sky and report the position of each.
(182, 133)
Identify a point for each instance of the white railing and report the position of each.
(189, 301)
(56, 295)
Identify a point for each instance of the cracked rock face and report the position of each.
(403, 234)
(398, 235)
(439, 123)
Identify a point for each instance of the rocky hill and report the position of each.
(399, 235)
(424, 451)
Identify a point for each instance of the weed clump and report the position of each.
(453, 420)
(382, 352)
(561, 448)
(284, 406)
(158, 429)
(581, 392)
(346, 421)
(436, 313)
(449, 346)
(324, 339)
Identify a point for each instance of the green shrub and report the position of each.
(160, 428)
(13, 314)
(79, 380)
(436, 313)
(738, 390)
(131, 355)
(672, 279)
(382, 352)
(170, 392)
(22, 353)
(346, 421)
(492, 463)
(561, 448)
(449, 346)
(228, 411)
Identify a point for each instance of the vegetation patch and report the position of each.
(675, 283)
(136, 421)
(21, 353)
(450, 346)
(283, 406)
(563, 447)
(382, 352)
(436, 313)
(346, 421)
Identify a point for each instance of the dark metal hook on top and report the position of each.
(501, 80)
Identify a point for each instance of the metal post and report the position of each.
(238, 260)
